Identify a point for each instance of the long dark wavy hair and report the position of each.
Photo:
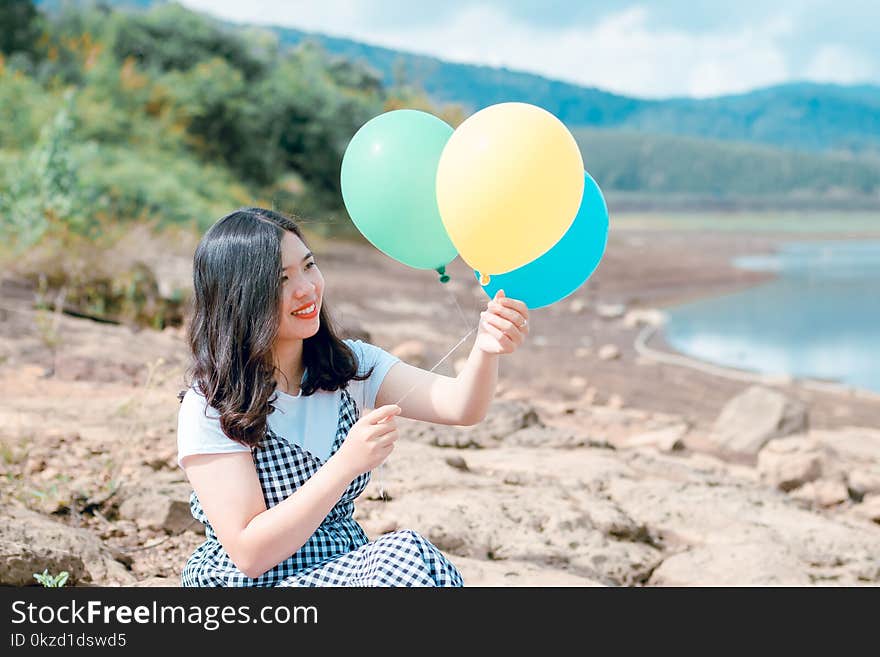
(236, 315)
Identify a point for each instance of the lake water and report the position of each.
(820, 319)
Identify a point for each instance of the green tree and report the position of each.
(19, 26)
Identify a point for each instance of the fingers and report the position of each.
(512, 310)
(388, 439)
(513, 304)
(378, 414)
(506, 327)
(379, 430)
(517, 320)
(504, 340)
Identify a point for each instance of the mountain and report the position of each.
(801, 116)
(804, 116)
(668, 171)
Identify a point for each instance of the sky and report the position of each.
(697, 48)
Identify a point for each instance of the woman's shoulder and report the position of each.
(194, 400)
(199, 430)
(369, 356)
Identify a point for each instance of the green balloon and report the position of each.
(388, 185)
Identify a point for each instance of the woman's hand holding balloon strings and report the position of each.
(504, 325)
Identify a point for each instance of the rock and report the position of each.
(610, 310)
(615, 402)
(590, 396)
(743, 564)
(823, 493)
(505, 417)
(864, 482)
(457, 462)
(160, 504)
(413, 352)
(667, 439)
(541, 436)
(859, 445)
(788, 463)
(540, 341)
(480, 572)
(648, 316)
(750, 420)
(577, 306)
(582, 352)
(578, 382)
(717, 514)
(869, 509)
(609, 352)
(31, 543)
(158, 582)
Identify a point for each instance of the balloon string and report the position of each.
(448, 354)
(460, 311)
(382, 494)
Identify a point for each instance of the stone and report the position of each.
(742, 564)
(504, 417)
(750, 420)
(577, 382)
(159, 503)
(541, 436)
(457, 462)
(864, 482)
(788, 463)
(823, 493)
(609, 352)
(869, 509)
(31, 543)
(610, 310)
(667, 439)
(648, 316)
(479, 572)
(577, 306)
(615, 402)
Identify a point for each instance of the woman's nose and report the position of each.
(305, 289)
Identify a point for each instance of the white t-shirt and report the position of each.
(309, 422)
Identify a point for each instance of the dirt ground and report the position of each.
(101, 408)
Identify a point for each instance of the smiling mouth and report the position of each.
(308, 311)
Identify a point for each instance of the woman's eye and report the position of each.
(283, 278)
(311, 264)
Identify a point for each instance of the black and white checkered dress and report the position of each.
(338, 553)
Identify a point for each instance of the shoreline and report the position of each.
(681, 359)
(672, 355)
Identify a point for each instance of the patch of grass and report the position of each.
(52, 581)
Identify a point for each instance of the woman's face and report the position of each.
(302, 289)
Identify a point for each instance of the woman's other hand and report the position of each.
(504, 325)
(370, 440)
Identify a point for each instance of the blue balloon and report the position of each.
(568, 264)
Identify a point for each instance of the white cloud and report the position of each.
(836, 63)
(622, 52)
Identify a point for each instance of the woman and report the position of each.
(271, 432)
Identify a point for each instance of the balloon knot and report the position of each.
(444, 278)
(484, 279)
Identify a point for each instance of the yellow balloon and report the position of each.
(509, 185)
